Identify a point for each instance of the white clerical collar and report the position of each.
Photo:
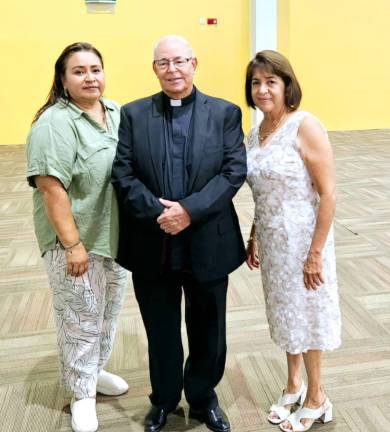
(175, 102)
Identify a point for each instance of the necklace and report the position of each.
(263, 135)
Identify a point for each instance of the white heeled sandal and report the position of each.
(286, 399)
(324, 413)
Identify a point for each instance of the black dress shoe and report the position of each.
(214, 418)
(155, 419)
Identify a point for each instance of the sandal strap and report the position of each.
(287, 399)
(297, 426)
(281, 411)
(306, 413)
(292, 398)
(311, 413)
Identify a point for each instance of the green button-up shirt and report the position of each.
(67, 144)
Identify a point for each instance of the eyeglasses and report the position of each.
(178, 62)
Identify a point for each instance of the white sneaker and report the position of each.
(84, 415)
(110, 384)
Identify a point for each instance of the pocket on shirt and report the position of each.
(98, 162)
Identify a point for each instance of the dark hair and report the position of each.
(275, 64)
(57, 89)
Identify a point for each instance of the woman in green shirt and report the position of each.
(70, 150)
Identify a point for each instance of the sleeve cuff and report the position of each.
(46, 171)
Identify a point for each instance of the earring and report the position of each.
(66, 93)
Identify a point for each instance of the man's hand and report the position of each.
(174, 218)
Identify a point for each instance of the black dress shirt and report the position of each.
(178, 136)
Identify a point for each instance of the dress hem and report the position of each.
(309, 348)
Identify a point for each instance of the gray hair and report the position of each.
(176, 39)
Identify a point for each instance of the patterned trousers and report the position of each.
(86, 310)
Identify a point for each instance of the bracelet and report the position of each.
(69, 248)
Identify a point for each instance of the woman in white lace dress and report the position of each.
(291, 174)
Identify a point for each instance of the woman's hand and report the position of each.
(77, 260)
(252, 257)
(312, 271)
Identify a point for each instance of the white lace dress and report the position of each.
(285, 211)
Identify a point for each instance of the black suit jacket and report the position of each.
(217, 165)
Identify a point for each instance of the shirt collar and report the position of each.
(76, 112)
(185, 101)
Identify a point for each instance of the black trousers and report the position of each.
(205, 315)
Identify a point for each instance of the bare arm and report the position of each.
(59, 213)
(252, 257)
(317, 154)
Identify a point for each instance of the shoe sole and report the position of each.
(277, 422)
(155, 430)
(78, 430)
(201, 419)
(107, 393)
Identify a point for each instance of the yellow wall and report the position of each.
(33, 33)
(339, 49)
(340, 52)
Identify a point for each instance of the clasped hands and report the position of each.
(174, 217)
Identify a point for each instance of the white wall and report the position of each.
(263, 34)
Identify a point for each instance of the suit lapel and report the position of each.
(156, 139)
(199, 136)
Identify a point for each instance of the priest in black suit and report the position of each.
(180, 161)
